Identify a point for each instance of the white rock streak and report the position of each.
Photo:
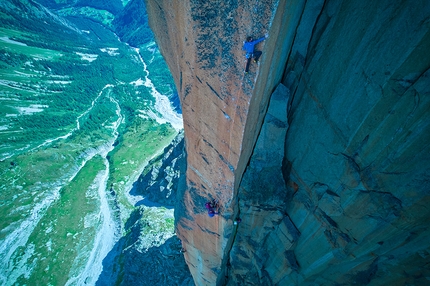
(19, 237)
(90, 108)
(78, 126)
(162, 102)
(105, 238)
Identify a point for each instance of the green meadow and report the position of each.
(76, 128)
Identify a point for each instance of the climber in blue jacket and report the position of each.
(248, 46)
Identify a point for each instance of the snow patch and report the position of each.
(87, 57)
(14, 85)
(48, 245)
(31, 109)
(60, 81)
(110, 51)
(9, 41)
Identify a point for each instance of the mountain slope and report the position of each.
(82, 115)
(131, 24)
(114, 6)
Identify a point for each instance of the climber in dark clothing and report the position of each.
(212, 208)
(248, 46)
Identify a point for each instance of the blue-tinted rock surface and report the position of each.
(350, 202)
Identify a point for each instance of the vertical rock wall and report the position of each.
(357, 152)
(350, 202)
(222, 111)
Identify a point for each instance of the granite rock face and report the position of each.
(357, 153)
(336, 190)
(264, 225)
(202, 43)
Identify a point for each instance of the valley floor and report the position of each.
(68, 164)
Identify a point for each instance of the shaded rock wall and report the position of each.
(349, 202)
(161, 178)
(264, 226)
(357, 148)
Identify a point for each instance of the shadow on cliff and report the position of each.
(128, 263)
(158, 183)
(151, 194)
(176, 103)
(137, 259)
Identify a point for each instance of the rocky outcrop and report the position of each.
(146, 255)
(163, 175)
(344, 199)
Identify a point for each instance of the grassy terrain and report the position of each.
(66, 229)
(136, 147)
(42, 98)
(157, 222)
(67, 104)
(42, 93)
(158, 67)
(13, 41)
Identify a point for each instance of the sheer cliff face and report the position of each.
(336, 190)
(222, 111)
